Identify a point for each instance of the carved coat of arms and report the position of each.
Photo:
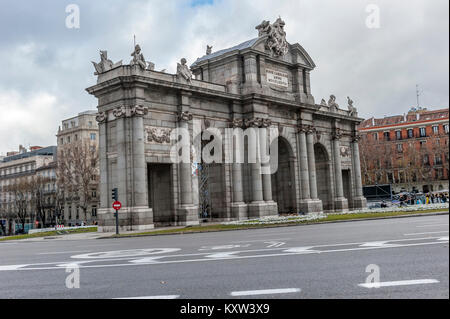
(158, 135)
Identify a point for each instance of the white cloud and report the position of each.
(28, 120)
(378, 68)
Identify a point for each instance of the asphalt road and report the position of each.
(411, 256)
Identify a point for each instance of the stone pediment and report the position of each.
(295, 53)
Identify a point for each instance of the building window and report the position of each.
(446, 128)
(68, 139)
(70, 212)
(375, 136)
(437, 159)
(398, 135)
(422, 132)
(399, 148)
(93, 136)
(94, 211)
(94, 194)
(90, 123)
(387, 136)
(78, 213)
(410, 133)
(62, 141)
(426, 159)
(422, 144)
(436, 129)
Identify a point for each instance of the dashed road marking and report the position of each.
(398, 283)
(265, 292)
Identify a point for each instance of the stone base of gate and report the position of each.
(311, 206)
(239, 211)
(262, 208)
(130, 218)
(360, 202)
(340, 204)
(187, 215)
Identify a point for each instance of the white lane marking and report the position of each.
(301, 250)
(443, 238)
(255, 241)
(223, 247)
(432, 225)
(377, 244)
(64, 252)
(228, 254)
(146, 260)
(127, 253)
(265, 292)
(12, 267)
(398, 283)
(431, 232)
(283, 253)
(274, 244)
(153, 297)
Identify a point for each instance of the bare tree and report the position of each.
(78, 172)
(21, 199)
(40, 196)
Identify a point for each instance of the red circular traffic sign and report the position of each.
(117, 205)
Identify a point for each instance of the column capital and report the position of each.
(138, 110)
(356, 138)
(101, 117)
(257, 122)
(306, 128)
(185, 116)
(119, 112)
(337, 134)
(237, 123)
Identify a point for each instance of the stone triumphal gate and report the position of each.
(263, 82)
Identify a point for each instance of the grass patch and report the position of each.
(221, 227)
(50, 233)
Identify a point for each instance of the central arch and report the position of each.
(283, 180)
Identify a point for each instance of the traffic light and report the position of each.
(115, 195)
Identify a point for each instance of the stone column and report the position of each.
(238, 207)
(142, 214)
(316, 204)
(359, 201)
(105, 202)
(185, 174)
(340, 202)
(257, 206)
(271, 206)
(311, 163)
(187, 213)
(103, 161)
(307, 171)
(139, 163)
(303, 160)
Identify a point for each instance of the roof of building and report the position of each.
(49, 150)
(242, 46)
(411, 117)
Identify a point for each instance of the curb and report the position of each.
(282, 225)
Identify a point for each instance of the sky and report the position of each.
(45, 67)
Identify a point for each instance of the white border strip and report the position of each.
(153, 297)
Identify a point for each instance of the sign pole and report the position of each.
(117, 205)
(117, 222)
